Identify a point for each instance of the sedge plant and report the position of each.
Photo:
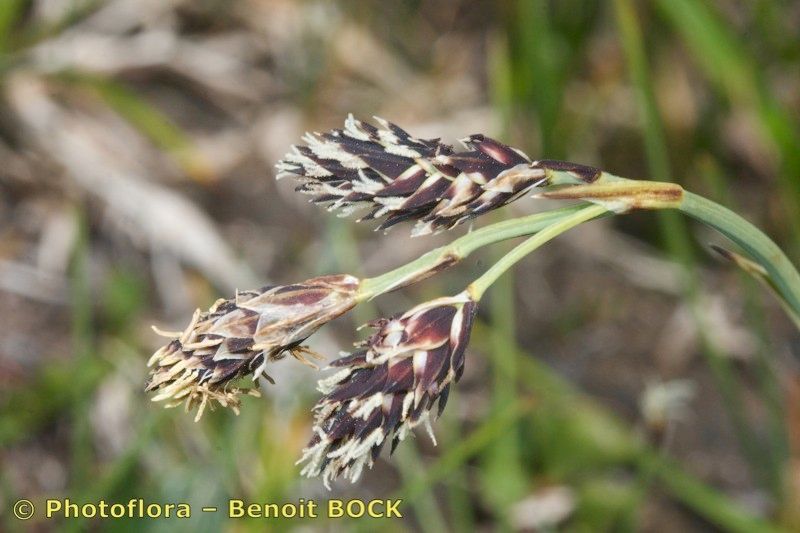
(401, 375)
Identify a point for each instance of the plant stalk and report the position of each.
(622, 195)
(445, 256)
(479, 286)
(758, 246)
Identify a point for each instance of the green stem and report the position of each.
(621, 195)
(760, 247)
(479, 286)
(429, 263)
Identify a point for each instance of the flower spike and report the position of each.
(239, 337)
(388, 386)
(399, 177)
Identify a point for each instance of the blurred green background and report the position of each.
(621, 380)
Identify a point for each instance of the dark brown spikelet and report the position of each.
(399, 177)
(238, 337)
(388, 386)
